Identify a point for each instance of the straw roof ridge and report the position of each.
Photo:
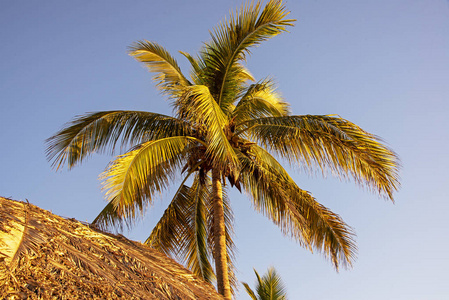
(45, 256)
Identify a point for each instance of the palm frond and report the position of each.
(240, 77)
(182, 231)
(198, 107)
(270, 286)
(133, 178)
(249, 291)
(260, 100)
(200, 69)
(331, 143)
(197, 72)
(101, 131)
(244, 74)
(295, 211)
(168, 77)
(194, 246)
(166, 235)
(109, 217)
(232, 40)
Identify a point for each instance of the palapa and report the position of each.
(44, 256)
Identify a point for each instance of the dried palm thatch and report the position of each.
(44, 256)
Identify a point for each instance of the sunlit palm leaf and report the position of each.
(167, 233)
(110, 217)
(101, 131)
(197, 73)
(260, 100)
(240, 77)
(194, 248)
(134, 177)
(199, 107)
(270, 286)
(329, 142)
(244, 74)
(232, 40)
(295, 211)
(168, 77)
(182, 231)
(249, 291)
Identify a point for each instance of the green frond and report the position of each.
(197, 73)
(241, 76)
(249, 291)
(270, 286)
(101, 131)
(331, 143)
(260, 100)
(295, 211)
(232, 40)
(109, 218)
(198, 107)
(168, 77)
(244, 74)
(167, 233)
(194, 247)
(133, 178)
(182, 231)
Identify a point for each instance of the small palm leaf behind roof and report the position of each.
(44, 256)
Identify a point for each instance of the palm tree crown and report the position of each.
(227, 127)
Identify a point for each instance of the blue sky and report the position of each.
(383, 65)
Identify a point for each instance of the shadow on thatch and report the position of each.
(44, 256)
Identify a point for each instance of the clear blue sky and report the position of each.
(382, 64)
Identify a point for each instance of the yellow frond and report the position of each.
(295, 211)
(134, 177)
(330, 143)
(168, 77)
(200, 108)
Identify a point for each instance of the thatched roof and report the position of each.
(44, 256)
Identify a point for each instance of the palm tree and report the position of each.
(268, 287)
(226, 127)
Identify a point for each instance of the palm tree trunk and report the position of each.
(220, 253)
